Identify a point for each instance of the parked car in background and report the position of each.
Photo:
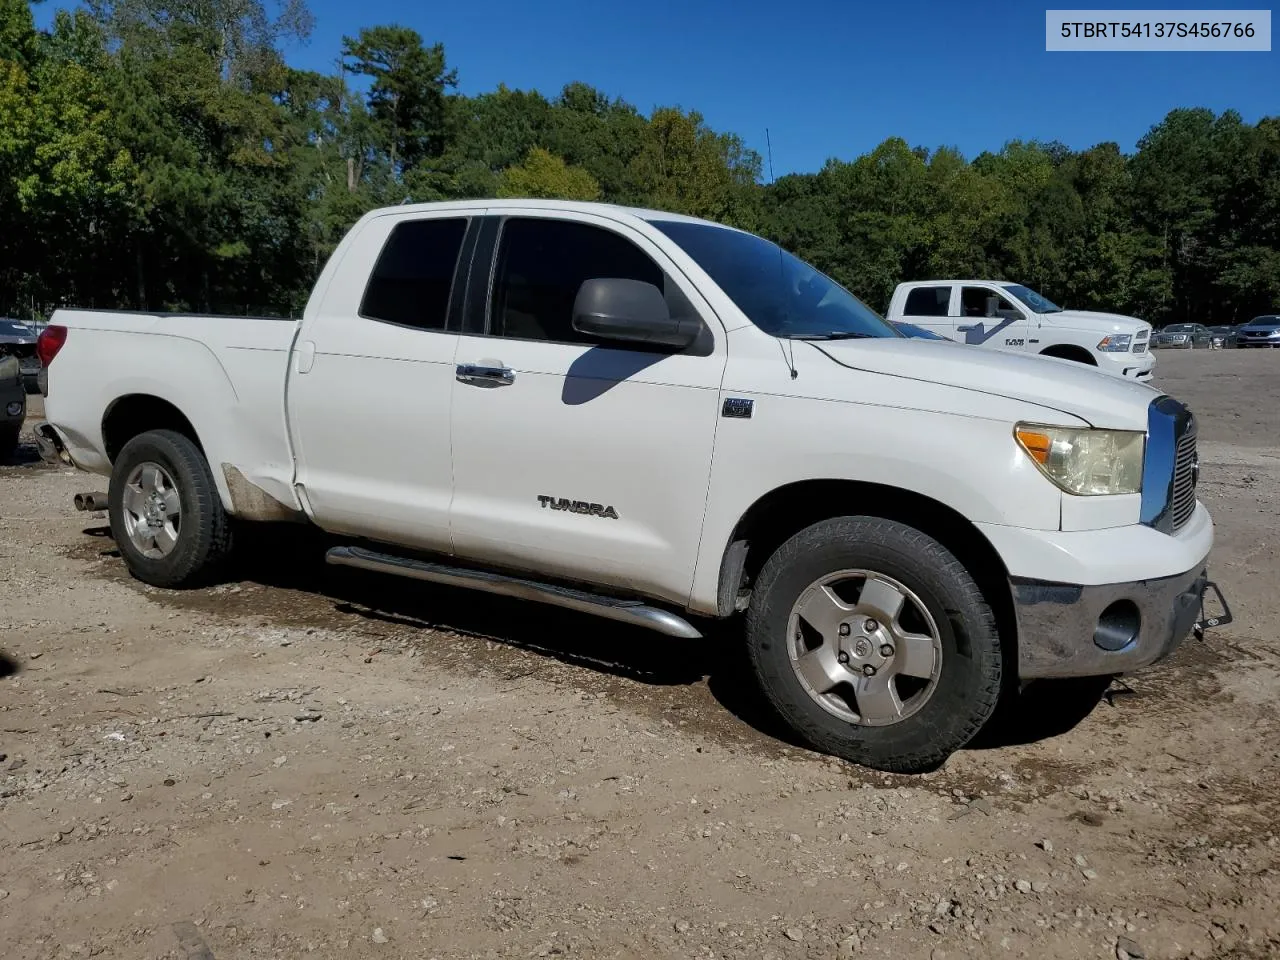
(1015, 319)
(19, 340)
(13, 405)
(1181, 336)
(1260, 332)
(1223, 336)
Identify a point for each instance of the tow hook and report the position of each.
(1209, 623)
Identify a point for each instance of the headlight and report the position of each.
(1116, 343)
(1087, 463)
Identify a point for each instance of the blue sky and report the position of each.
(826, 78)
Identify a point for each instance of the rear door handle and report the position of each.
(485, 375)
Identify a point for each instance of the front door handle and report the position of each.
(485, 375)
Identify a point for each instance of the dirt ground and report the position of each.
(309, 762)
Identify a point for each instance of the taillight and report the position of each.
(49, 343)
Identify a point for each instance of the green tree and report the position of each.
(407, 97)
(543, 174)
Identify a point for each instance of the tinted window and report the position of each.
(779, 293)
(928, 302)
(414, 273)
(541, 265)
(977, 302)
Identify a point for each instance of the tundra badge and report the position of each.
(579, 506)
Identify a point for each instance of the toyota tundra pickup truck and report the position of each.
(1014, 318)
(662, 421)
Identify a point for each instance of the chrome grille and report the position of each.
(1186, 469)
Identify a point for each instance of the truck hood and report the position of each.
(1072, 388)
(1104, 323)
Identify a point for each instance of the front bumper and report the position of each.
(1130, 366)
(1070, 630)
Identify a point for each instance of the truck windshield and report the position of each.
(779, 293)
(1032, 299)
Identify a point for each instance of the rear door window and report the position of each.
(412, 280)
(927, 302)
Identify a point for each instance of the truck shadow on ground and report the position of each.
(706, 682)
(702, 678)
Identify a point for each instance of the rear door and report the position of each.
(985, 317)
(574, 457)
(371, 383)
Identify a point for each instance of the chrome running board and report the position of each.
(625, 611)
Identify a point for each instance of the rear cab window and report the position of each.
(411, 283)
(927, 302)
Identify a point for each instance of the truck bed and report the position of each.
(227, 371)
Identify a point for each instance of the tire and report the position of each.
(9, 441)
(191, 538)
(942, 603)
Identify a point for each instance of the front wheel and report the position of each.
(166, 515)
(874, 644)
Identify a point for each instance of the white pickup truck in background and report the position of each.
(1013, 317)
(657, 419)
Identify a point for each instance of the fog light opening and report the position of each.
(1118, 626)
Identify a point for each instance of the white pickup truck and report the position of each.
(1014, 318)
(658, 419)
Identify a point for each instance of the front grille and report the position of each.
(1186, 468)
(1170, 469)
(1139, 348)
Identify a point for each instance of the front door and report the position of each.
(575, 458)
(369, 391)
(985, 317)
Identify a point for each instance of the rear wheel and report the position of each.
(166, 515)
(873, 643)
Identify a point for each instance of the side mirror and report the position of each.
(632, 311)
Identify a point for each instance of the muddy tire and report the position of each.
(166, 515)
(873, 643)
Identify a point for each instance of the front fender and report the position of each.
(968, 464)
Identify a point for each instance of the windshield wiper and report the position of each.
(833, 335)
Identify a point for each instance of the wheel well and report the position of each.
(137, 413)
(1067, 351)
(779, 515)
